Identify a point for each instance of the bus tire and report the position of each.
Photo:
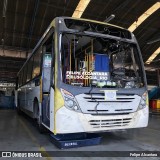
(38, 117)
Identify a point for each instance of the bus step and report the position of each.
(73, 140)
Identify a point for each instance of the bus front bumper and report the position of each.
(68, 121)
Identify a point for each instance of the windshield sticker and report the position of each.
(87, 75)
(47, 60)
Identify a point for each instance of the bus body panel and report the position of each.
(21, 97)
(52, 109)
(26, 96)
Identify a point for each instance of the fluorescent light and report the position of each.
(153, 56)
(80, 8)
(144, 16)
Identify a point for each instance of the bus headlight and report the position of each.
(144, 101)
(70, 101)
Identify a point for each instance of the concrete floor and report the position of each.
(18, 133)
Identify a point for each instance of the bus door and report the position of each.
(46, 85)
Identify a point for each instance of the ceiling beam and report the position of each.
(70, 9)
(44, 16)
(14, 48)
(32, 24)
(82, 5)
(153, 56)
(24, 24)
(144, 16)
(15, 24)
(10, 31)
(9, 70)
(16, 59)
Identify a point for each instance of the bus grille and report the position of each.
(106, 112)
(99, 97)
(110, 123)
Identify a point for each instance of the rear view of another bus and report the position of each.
(101, 78)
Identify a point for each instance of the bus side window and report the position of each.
(29, 69)
(37, 63)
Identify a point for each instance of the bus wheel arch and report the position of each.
(37, 115)
(35, 108)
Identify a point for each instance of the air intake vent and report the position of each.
(110, 123)
(119, 110)
(97, 110)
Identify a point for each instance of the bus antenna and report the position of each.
(112, 16)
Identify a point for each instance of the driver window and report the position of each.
(48, 54)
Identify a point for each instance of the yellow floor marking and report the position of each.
(33, 138)
(42, 149)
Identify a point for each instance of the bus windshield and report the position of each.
(100, 62)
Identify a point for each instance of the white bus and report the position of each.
(84, 76)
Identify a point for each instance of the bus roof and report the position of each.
(89, 20)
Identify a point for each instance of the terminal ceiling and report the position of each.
(24, 21)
